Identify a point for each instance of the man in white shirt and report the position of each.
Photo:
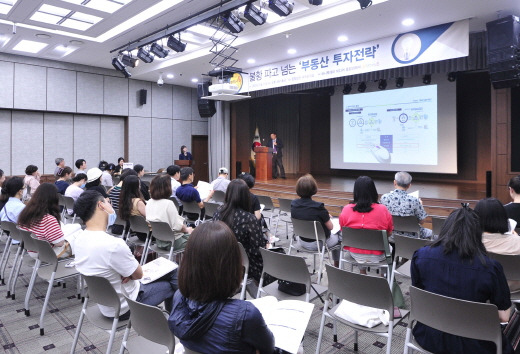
(174, 172)
(99, 254)
(222, 181)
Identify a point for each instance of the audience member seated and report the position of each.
(100, 254)
(456, 265)
(31, 180)
(81, 166)
(307, 209)
(222, 181)
(12, 194)
(187, 193)
(513, 208)
(144, 188)
(185, 155)
(204, 316)
(60, 164)
(41, 216)
(366, 213)
(106, 177)
(174, 172)
(3, 181)
(119, 168)
(76, 188)
(63, 179)
(400, 203)
(2, 177)
(161, 208)
(131, 202)
(94, 181)
(234, 212)
(255, 204)
(116, 191)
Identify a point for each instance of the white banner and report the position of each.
(426, 45)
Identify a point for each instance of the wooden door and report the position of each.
(199, 150)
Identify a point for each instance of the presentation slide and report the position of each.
(411, 128)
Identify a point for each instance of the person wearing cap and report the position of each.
(94, 181)
(222, 181)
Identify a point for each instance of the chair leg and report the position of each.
(335, 330)
(320, 268)
(78, 328)
(112, 334)
(5, 258)
(355, 341)
(30, 288)
(11, 273)
(125, 338)
(145, 249)
(322, 325)
(46, 302)
(389, 341)
(17, 271)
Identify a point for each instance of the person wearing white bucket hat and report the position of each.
(94, 181)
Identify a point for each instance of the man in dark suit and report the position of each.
(277, 146)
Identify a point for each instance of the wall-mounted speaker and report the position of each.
(142, 97)
(206, 107)
(503, 46)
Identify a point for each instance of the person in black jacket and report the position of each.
(144, 188)
(277, 146)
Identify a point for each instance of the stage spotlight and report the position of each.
(255, 15)
(281, 7)
(159, 51)
(452, 76)
(362, 87)
(427, 79)
(364, 3)
(382, 84)
(316, 2)
(399, 82)
(144, 55)
(119, 66)
(176, 44)
(233, 23)
(347, 88)
(129, 61)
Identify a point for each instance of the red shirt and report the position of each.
(48, 229)
(377, 219)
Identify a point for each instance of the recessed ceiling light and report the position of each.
(291, 51)
(29, 46)
(43, 35)
(194, 80)
(76, 42)
(408, 22)
(342, 38)
(66, 50)
(251, 61)
(169, 76)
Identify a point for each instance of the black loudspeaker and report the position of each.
(206, 107)
(503, 46)
(488, 184)
(142, 97)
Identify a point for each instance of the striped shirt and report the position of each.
(114, 197)
(48, 229)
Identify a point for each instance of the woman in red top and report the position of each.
(366, 213)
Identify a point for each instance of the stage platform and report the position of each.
(439, 199)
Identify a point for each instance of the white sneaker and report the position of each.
(273, 239)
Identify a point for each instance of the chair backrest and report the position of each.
(406, 246)
(139, 224)
(211, 208)
(219, 196)
(510, 263)
(61, 200)
(406, 224)
(191, 207)
(149, 322)
(175, 202)
(102, 292)
(28, 240)
(286, 267)
(285, 205)
(69, 202)
(367, 290)
(119, 221)
(308, 229)
(245, 258)
(454, 316)
(437, 224)
(374, 240)
(266, 201)
(13, 231)
(162, 231)
(46, 253)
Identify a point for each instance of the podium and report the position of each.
(264, 163)
(183, 163)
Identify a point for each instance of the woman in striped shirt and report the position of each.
(41, 216)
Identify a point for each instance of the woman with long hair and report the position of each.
(204, 317)
(131, 201)
(63, 179)
(366, 213)
(41, 217)
(12, 192)
(456, 265)
(185, 154)
(234, 212)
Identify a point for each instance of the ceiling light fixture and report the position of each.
(427, 79)
(29, 46)
(291, 51)
(362, 87)
(194, 80)
(169, 76)
(408, 22)
(176, 44)
(347, 88)
(364, 3)
(159, 51)
(342, 38)
(128, 60)
(382, 84)
(251, 61)
(281, 7)
(119, 66)
(233, 23)
(399, 82)
(254, 15)
(145, 55)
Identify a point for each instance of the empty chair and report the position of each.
(462, 318)
(139, 224)
(245, 264)
(511, 266)
(69, 205)
(284, 215)
(406, 225)
(192, 208)
(101, 292)
(18, 259)
(290, 268)
(154, 335)
(6, 227)
(219, 196)
(162, 231)
(405, 247)
(268, 207)
(363, 290)
(374, 240)
(437, 223)
(210, 208)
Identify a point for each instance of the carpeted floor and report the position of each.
(20, 334)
